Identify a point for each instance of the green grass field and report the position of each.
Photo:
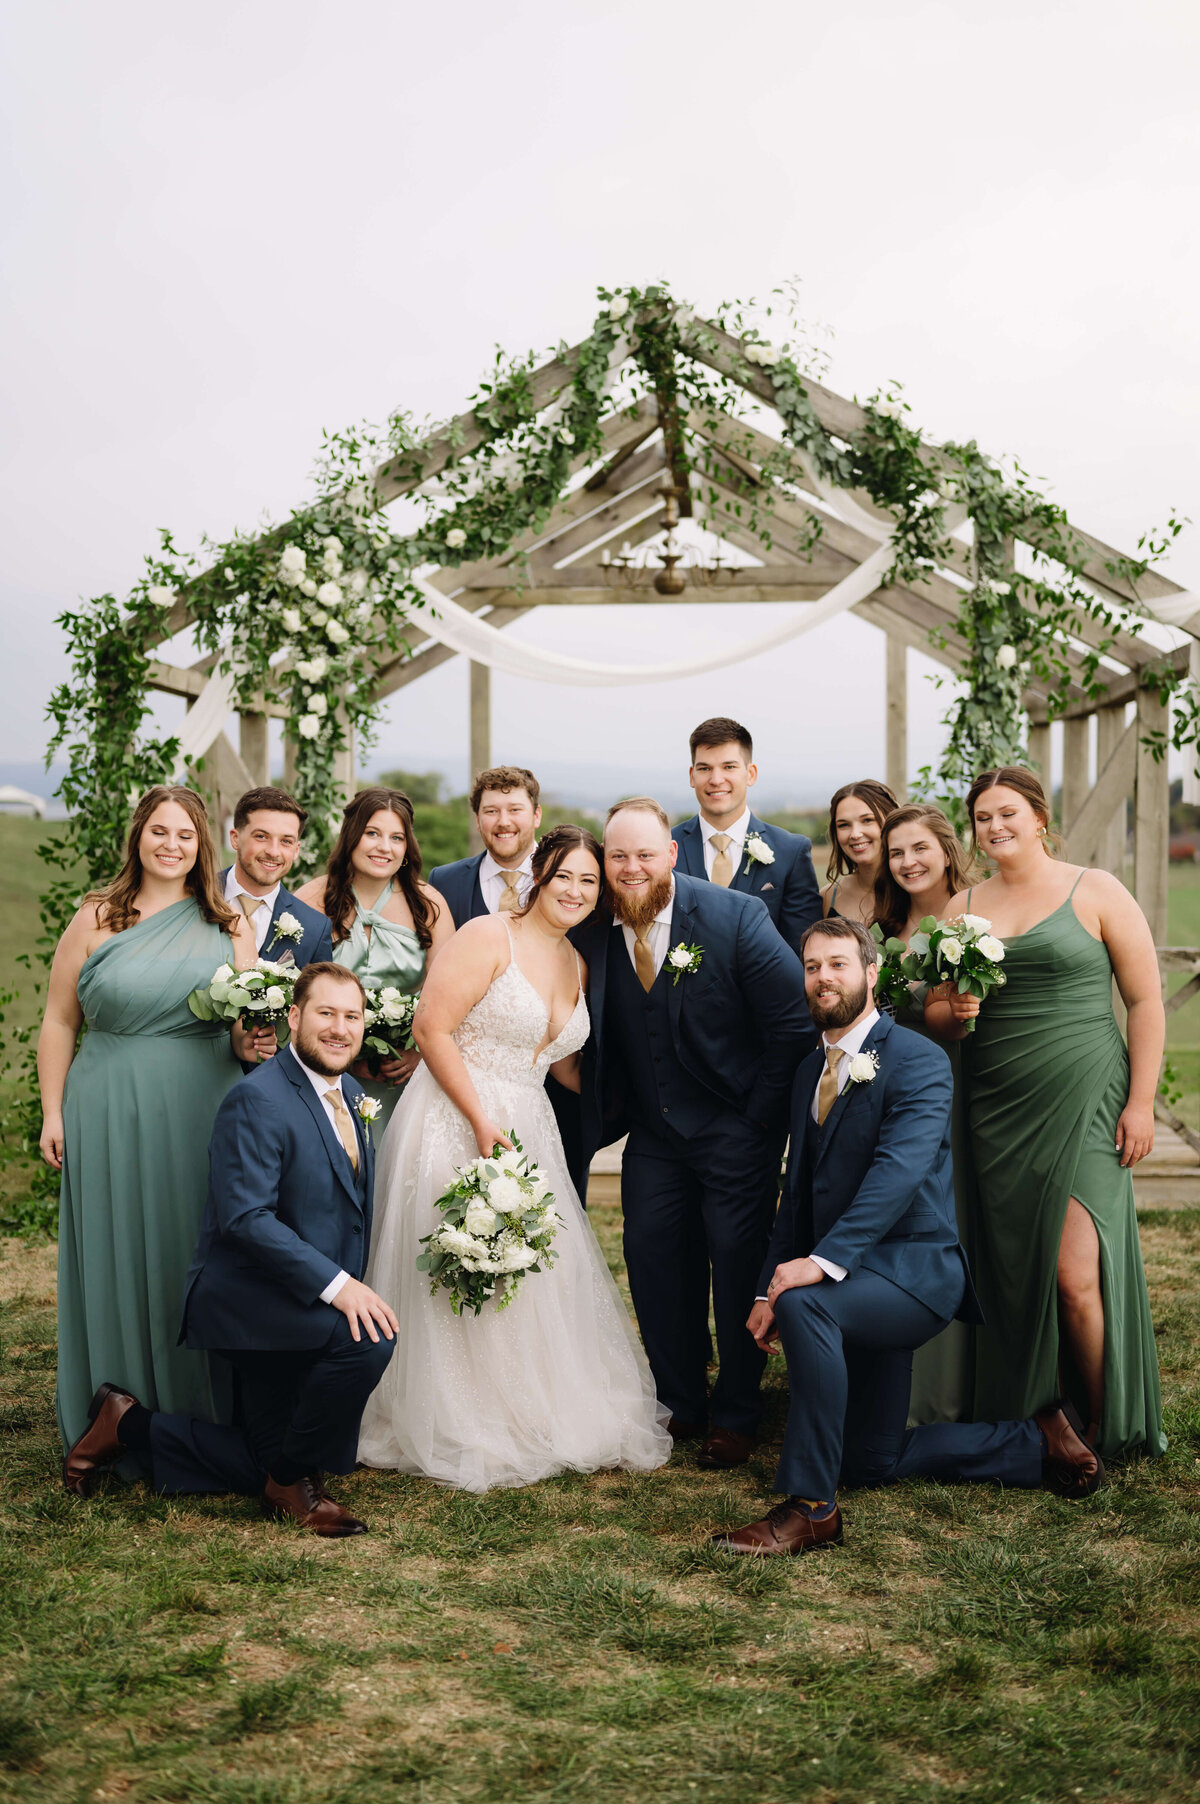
(579, 1638)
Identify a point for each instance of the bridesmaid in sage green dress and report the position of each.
(127, 1118)
(1059, 1113)
(922, 864)
(387, 924)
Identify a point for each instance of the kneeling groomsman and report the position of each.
(865, 1266)
(275, 1286)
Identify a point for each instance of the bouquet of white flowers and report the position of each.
(891, 985)
(258, 997)
(499, 1221)
(964, 952)
(388, 1019)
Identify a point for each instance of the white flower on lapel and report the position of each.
(367, 1109)
(758, 851)
(862, 1068)
(287, 927)
(683, 960)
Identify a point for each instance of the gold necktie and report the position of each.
(722, 871)
(510, 897)
(827, 1089)
(250, 906)
(345, 1126)
(643, 958)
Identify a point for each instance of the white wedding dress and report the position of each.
(557, 1381)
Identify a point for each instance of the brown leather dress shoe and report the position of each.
(679, 1430)
(100, 1444)
(1072, 1468)
(725, 1448)
(309, 1503)
(787, 1529)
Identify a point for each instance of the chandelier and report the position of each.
(679, 565)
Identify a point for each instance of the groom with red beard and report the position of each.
(698, 1025)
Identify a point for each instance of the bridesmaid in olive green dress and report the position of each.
(922, 864)
(1059, 1113)
(127, 1119)
(387, 923)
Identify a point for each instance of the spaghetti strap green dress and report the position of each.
(1047, 1076)
(388, 955)
(138, 1109)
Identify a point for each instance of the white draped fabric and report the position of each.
(206, 718)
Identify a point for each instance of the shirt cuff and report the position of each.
(836, 1272)
(334, 1285)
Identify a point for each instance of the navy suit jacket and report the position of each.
(738, 1024)
(285, 1213)
(788, 887)
(459, 883)
(876, 1188)
(315, 943)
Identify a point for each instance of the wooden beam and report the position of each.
(821, 571)
(1121, 689)
(600, 597)
(1039, 751)
(1110, 724)
(896, 692)
(1085, 834)
(480, 708)
(255, 747)
(1076, 776)
(1151, 826)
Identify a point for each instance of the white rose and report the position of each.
(310, 670)
(291, 620)
(768, 356)
(567, 436)
(395, 1011)
(505, 1194)
(618, 307)
(753, 353)
(275, 996)
(159, 596)
(223, 975)
(329, 595)
(976, 924)
(331, 565)
(308, 586)
(992, 948)
(1002, 588)
(679, 958)
(336, 633)
(511, 1160)
(951, 950)
(292, 558)
(891, 410)
(1006, 657)
(318, 704)
(389, 993)
(332, 543)
(861, 1068)
(517, 1259)
(479, 1219)
(456, 538)
(540, 1188)
(356, 582)
(309, 726)
(947, 485)
(318, 617)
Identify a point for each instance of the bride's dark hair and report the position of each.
(550, 852)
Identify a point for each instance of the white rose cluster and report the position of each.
(292, 566)
(159, 596)
(292, 622)
(992, 948)
(618, 307)
(456, 538)
(336, 633)
(765, 355)
(329, 595)
(309, 670)
(951, 950)
(1006, 657)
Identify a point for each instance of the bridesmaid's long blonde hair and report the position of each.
(116, 903)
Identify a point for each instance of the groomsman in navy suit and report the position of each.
(268, 825)
(865, 1265)
(728, 844)
(505, 804)
(276, 1284)
(698, 1023)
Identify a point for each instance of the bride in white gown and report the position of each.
(557, 1380)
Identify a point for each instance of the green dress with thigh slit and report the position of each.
(1047, 1076)
(138, 1110)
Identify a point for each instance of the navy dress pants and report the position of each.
(303, 1408)
(849, 1349)
(691, 1205)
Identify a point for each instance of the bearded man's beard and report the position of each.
(839, 1011)
(639, 909)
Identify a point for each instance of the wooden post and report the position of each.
(1039, 751)
(1076, 775)
(480, 716)
(896, 763)
(1110, 724)
(343, 761)
(1151, 823)
(255, 747)
(289, 762)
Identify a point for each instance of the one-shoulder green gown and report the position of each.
(138, 1110)
(1047, 1076)
(388, 954)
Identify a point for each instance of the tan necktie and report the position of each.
(643, 958)
(827, 1089)
(722, 871)
(345, 1126)
(510, 897)
(250, 905)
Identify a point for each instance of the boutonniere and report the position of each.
(683, 960)
(863, 1068)
(367, 1109)
(287, 927)
(757, 851)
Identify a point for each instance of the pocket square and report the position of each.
(766, 886)
(286, 958)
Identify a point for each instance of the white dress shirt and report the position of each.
(659, 937)
(261, 919)
(737, 842)
(320, 1084)
(492, 884)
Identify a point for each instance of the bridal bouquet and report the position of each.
(388, 1019)
(499, 1221)
(964, 952)
(258, 997)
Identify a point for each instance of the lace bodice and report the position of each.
(501, 1035)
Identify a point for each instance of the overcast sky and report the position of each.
(228, 228)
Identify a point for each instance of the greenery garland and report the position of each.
(304, 614)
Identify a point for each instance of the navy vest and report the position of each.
(661, 1093)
